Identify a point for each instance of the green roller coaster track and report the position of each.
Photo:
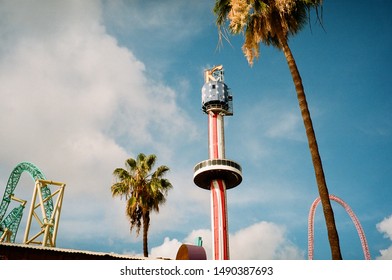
(12, 220)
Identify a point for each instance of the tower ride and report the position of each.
(217, 173)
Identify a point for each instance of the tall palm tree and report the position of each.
(272, 22)
(143, 189)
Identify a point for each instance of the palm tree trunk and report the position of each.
(146, 225)
(318, 168)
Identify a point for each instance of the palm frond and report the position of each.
(149, 162)
(140, 158)
(121, 174)
(120, 189)
(165, 185)
(130, 164)
(221, 10)
(160, 172)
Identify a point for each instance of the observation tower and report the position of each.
(217, 173)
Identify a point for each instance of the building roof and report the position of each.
(15, 251)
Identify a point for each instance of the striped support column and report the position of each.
(216, 147)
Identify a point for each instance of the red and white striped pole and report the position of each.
(216, 147)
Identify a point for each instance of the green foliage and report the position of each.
(268, 21)
(143, 189)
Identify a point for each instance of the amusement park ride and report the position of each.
(43, 210)
(217, 173)
(353, 217)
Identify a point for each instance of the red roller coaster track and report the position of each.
(353, 217)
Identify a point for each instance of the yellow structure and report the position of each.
(47, 234)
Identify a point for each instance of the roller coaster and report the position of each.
(353, 217)
(43, 209)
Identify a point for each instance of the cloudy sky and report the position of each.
(85, 85)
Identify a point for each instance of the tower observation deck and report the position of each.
(217, 173)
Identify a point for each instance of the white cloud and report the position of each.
(77, 105)
(168, 249)
(386, 254)
(385, 227)
(263, 240)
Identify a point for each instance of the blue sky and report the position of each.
(86, 84)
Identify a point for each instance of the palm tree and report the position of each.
(143, 189)
(272, 22)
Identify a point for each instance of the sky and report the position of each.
(84, 85)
